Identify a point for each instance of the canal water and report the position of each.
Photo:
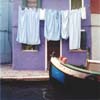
(29, 90)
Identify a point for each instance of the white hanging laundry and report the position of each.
(74, 29)
(21, 33)
(83, 12)
(42, 14)
(33, 34)
(52, 25)
(64, 24)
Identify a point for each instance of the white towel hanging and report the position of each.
(33, 35)
(83, 12)
(42, 14)
(64, 24)
(21, 33)
(52, 25)
(74, 29)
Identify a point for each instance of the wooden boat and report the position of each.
(76, 82)
(63, 72)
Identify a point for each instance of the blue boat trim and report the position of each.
(57, 74)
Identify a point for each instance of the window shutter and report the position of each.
(83, 40)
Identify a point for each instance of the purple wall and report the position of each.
(55, 4)
(79, 58)
(36, 60)
(31, 60)
(26, 60)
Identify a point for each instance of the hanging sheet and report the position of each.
(28, 26)
(65, 24)
(74, 29)
(52, 25)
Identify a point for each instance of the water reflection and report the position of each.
(24, 90)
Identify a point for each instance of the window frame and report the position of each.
(80, 50)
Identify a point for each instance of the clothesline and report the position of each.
(42, 12)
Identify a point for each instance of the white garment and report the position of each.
(52, 25)
(28, 26)
(42, 14)
(64, 24)
(83, 12)
(74, 29)
(33, 35)
(21, 33)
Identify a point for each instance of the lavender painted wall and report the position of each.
(36, 60)
(79, 58)
(32, 60)
(26, 60)
(55, 4)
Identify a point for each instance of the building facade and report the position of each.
(40, 59)
(95, 29)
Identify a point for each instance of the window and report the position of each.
(33, 48)
(83, 44)
(75, 4)
(31, 4)
(83, 40)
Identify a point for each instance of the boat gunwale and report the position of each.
(81, 70)
(84, 71)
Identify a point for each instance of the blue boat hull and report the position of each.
(72, 85)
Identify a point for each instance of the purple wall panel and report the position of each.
(87, 21)
(36, 60)
(28, 60)
(55, 4)
(31, 60)
(79, 58)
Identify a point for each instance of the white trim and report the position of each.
(94, 61)
(45, 55)
(69, 4)
(83, 30)
(83, 3)
(61, 47)
(95, 39)
(94, 19)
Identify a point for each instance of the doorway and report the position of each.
(52, 46)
